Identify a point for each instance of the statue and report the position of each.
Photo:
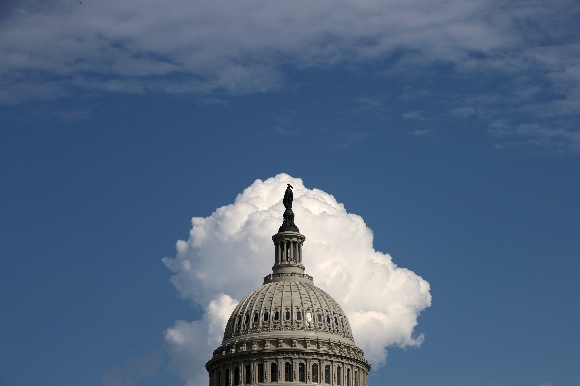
(288, 224)
(288, 197)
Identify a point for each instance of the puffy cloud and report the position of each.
(229, 252)
(190, 344)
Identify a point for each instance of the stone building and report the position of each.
(288, 331)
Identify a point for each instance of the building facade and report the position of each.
(288, 331)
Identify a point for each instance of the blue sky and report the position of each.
(450, 127)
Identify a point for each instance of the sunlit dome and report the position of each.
(288, 330)
(289, 308)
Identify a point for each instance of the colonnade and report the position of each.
(285, 370)
(289, 252)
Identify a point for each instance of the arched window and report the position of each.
(315, 373)
(347, 377)
(256, 317)
(248, 375)
(277, 315)
(354, 379)
(301, 373)
(260, 373)
(298, 315)
(288, 372)
(328, 319)
(309, 316)
(228, 378)
(327, 374)
(247, 319)
(338, 375)
(239, 323)
(287, 314)
(335, 321)
(219, 376)
(319, 317)
(342, 322)
(266, 316)
(274, 372)
(237, 376)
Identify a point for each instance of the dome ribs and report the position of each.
(291, 297)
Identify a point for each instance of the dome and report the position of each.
(289, 308)
(288, 331)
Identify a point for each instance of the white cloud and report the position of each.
(190, 344)
(229, 252)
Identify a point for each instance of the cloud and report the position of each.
(537, 136)
(520, 58)
(229, 252)
(203, 46)
(190, 344)
(133, 370)
(414, 115)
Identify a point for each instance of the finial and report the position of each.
(288, 224)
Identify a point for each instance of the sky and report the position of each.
(439, 138)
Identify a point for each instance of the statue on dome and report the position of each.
(288, 224)
(288, 197)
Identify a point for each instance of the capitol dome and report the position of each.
(288, 331)
(285, 308)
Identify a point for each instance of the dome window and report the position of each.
(288, 372)
(319, 317)
(309, 316)
(328, 319)
(248, 375)
(277, 315)
(315, 373)
(336, 321)
(342, 323)
(266, 316)
(273, 372)
(298, 315)
(260, 373)
(287, 314)
(327, 374)
(256, 318)
(247, 319)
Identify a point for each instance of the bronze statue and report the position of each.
(288, 197)
(288, 224)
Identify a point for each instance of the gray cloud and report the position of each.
(63, 48)
(178, 46)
